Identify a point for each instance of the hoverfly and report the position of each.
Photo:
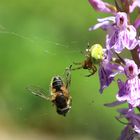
(93, 55)
(59, 92)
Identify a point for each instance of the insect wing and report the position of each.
(67, 76)
(37, 91)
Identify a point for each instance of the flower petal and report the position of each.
(115, 103)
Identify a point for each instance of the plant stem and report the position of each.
(135, 56)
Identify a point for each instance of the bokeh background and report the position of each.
(39, 39)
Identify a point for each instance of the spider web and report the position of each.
(68, 48)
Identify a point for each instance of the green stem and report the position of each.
(138, 109)
(135, 56)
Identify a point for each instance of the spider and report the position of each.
(88, 63)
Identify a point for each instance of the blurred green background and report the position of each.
(39, 39)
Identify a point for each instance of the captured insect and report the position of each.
(59, 92)
(93, 55)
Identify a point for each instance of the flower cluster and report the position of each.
(121, 35)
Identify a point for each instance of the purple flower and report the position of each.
(101, 6)
(135, 3)
(120, 35)
(128, 133)
(131, 4)
(132, 130)
(138, 49)
(105, 79)
(107, 72)
(114, 103)
(131, 69)
(104, 23)
(137, 22)
(130, 90)
(121, 20)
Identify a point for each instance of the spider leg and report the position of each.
(89, 74)
(94, 69)
(80, 67)
(77, 63)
